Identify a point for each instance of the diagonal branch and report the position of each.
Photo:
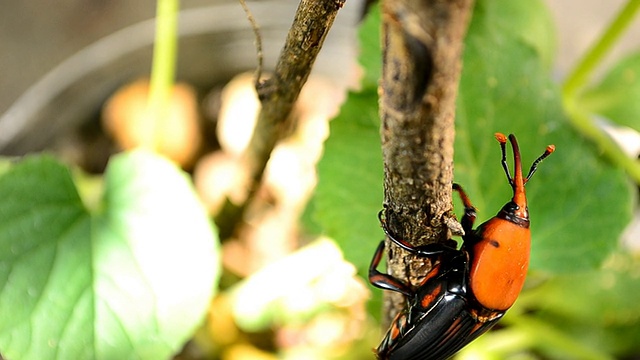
(279, 93)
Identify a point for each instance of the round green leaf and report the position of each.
(131, 281)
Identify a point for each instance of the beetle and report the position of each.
(468, 289)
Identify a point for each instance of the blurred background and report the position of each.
(81, 51)
(35, 39)
(30, 29)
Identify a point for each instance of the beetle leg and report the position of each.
(423, 250)
(385, 281)
(469, 212)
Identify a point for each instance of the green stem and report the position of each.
(585, 68)
(549, 337)
(584, 123)
(164, 58)
(580, 77)
(498, 344)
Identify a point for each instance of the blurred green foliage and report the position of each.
(128, 278)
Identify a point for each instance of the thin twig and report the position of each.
(256, 32)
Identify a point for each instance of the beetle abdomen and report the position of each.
(451, 327)
(499, 263)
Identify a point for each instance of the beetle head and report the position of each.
(517, 208)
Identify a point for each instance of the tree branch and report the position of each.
(422, 45)
(279, 93)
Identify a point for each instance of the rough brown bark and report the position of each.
(422, 45)
(279, 93)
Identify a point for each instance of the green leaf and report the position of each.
(616, 95)
(600, 308)
(349, 192)
(606, 297)
(621, 341)
(528, 22)
(579, 205)
(131, 281)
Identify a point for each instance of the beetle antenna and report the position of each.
(503, 141)
(550, 149)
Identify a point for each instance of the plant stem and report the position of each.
(582, 73)
(164, 60)
(550, 337)
(497, 344)
(583, 122)
(580, 77)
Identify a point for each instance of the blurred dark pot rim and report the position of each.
(218, 37)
